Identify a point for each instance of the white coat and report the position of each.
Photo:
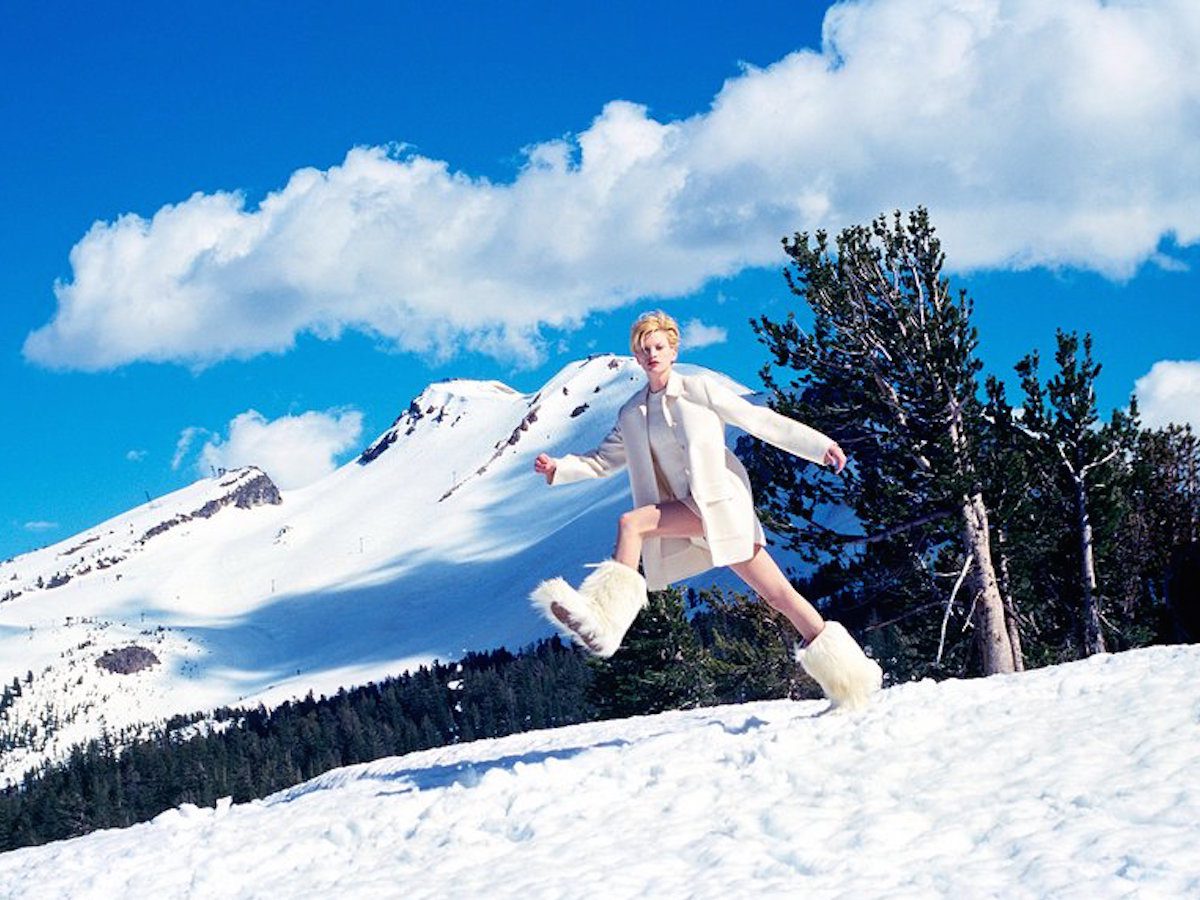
(697, 409)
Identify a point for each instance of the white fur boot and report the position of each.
(601, 611)
(847, 675)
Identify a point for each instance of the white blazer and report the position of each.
(698, 409)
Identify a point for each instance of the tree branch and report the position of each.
(949, 604)
(1098, 462)
(852, 539)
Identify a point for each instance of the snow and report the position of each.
(426, 552)
(1072, 781)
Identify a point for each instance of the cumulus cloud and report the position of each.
(1038, 134)
(293, 450)
(40, 526)
(696, 335)
(1170, 392)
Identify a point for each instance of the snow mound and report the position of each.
(1072, 781)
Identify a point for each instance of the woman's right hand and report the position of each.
(545, 465)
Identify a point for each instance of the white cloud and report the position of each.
(696, 335)
(40, 526)
(1056, 134)
(1169, 263)
(1170, 392)
(136, 455)
(184, 444)
(293, 450)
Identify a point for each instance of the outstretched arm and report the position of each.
(778, 430)
(605, 460)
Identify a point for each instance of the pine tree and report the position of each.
(1160, 538)
(1073, 454)
(660, 665)
(750, 649)
(889, 370)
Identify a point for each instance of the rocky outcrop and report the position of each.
(255, 490)
(250, 487)
(406, 422)
(127, 660)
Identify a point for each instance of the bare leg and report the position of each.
(672, 519)
(764, 576)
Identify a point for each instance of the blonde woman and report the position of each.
(693, 511)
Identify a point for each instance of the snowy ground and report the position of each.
(1076, 781)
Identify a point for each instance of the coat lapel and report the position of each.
(674, 384)
(670, 394)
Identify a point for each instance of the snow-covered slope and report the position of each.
(1073, 781)
(424, 547)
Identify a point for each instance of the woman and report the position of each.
(692, 511)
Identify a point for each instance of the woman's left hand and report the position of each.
(835, 458)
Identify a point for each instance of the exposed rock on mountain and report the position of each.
(127, 660)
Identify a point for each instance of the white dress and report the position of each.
(670, 463)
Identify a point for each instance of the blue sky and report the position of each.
(271, 225)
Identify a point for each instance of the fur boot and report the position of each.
(601, 611)
(846, 674)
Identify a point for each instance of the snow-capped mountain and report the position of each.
(426, 546)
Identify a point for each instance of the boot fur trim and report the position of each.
(846, 674)
(603, 608)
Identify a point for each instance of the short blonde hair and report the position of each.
(650, 322)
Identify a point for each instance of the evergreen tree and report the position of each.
(1018, 528)
(1072, 455)
(660, 665)
(890, 371)
(750, 650)
(1160, 537)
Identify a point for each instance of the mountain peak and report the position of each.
(441, 401)
(448, 401)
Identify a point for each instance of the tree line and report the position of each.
(245, 754)
(722, 650)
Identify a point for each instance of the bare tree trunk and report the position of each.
(1014, 636)
(1010, 608)
(1093, 639)
(995, 648)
